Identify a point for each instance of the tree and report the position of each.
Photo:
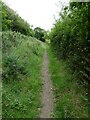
(40, 33)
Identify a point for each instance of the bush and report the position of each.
(69, 37)
(12, 70)
(20, 52)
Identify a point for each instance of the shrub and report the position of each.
(12, 70)
(69, 37)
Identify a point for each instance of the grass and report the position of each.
(22, 60)
(71, 100)
(21, 91)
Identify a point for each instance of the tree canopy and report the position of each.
(40, 34)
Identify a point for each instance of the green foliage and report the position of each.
(69, 36)
(12, 70)
(12, 21)
(70, 97)
(22, 58)
(40, 34)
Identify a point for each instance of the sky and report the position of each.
(39, 13)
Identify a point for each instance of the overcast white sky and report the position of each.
(39, 13)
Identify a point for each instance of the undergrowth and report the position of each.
(22, 58)
(71, 98)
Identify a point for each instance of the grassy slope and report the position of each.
(21, 98)
(71, 101)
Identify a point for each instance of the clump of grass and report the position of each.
(71, 99)
(22, 58)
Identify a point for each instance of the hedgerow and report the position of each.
(70, 40)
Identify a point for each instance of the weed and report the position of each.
(71, 100)
(22, 58)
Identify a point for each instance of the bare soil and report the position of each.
(47, 98)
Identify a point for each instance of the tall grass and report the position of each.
(22, 58)
(71, 99)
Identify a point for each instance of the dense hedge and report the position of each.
(70, 39)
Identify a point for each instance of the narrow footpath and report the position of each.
(47, 98)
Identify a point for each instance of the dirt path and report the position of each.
(47, 99)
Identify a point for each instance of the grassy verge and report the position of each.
(22, 59)
(71, 100)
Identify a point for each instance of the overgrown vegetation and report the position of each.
(71, 98)
(70, 39)
(70, 73)
(22, 58)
